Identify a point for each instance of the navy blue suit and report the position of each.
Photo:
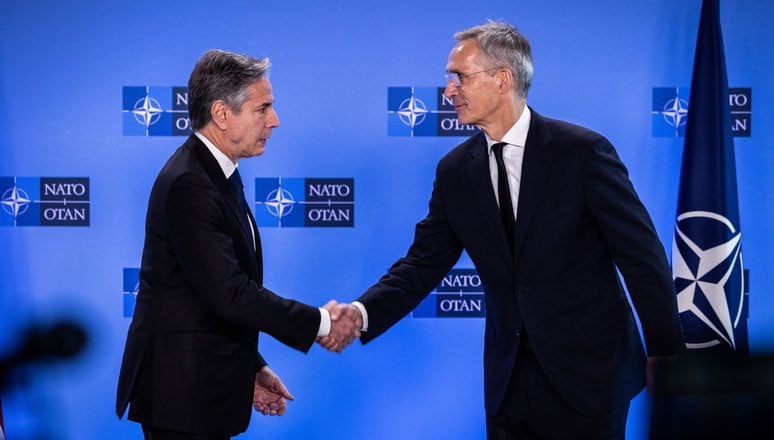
(578, 220)
(191, 353)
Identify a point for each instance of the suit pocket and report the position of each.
(202, 343)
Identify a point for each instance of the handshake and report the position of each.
(346, 322)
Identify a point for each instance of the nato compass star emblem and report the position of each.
(15, 201)
(412, 111)
(670, 111)
(280, 202)
(675, 112)
(708, 274)
(147, 111)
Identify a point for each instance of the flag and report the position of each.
(707, 248)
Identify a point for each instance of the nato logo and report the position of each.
(670, 111)
(156, 111)
(709, 277)
(460, 295)
(423, 111)
(304, 202)
(131, 288)
(44, 201)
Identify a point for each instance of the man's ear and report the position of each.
(219, 114)
(505, 80)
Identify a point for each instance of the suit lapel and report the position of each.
(215, 173)
(480, 183)
(537, 162)
(258, 248)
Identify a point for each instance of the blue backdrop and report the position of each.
(64, 70)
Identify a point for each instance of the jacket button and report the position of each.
(518, 334)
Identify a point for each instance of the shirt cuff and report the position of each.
(325, 323)
(363, 313)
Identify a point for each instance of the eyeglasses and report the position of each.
(458, 79)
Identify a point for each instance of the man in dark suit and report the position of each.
(547, 213)
(191, 368)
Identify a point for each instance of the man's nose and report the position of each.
(450, 90)
(273, 120)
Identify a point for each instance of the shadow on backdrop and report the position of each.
(716, 398)
(39, 346)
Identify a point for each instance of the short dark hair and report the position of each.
(225, 76)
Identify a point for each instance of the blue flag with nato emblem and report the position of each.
(707, 248)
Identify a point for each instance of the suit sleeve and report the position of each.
(205, 246)
(434, 251)
(260, 362)
(635, 246)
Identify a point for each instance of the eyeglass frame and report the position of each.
(458, 78)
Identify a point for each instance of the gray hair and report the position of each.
(502, 45)
(224, 76)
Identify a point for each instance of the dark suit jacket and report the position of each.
(191, 351)
(578, 219)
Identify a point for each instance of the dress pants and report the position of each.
(532, 409)
(151, 433)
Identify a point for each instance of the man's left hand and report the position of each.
(270, 395)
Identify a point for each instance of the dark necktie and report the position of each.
(504, 195)
(236, 185)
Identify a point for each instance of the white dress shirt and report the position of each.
(513, 156)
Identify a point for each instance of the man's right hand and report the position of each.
(346, 323)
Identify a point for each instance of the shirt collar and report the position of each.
(225, 163)
(517, 135)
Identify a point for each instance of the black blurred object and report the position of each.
(714, 398)
(43, 343)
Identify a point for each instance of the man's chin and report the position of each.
(462, 118)
(255, 152)
(260, 147)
